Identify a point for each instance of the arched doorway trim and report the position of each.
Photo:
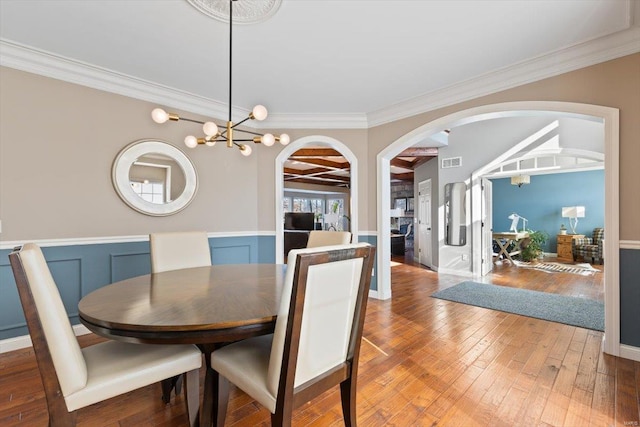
(284, 155)
(610, 118)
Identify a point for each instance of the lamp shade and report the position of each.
(573, 212)
(520, 179)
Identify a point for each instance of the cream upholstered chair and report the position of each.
(75, 377)
(316, 343)
(318, 238)
(174, 251)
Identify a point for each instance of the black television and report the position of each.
(299, 220)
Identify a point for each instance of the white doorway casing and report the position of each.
(610, 119)
(425, 232)
(294, 146)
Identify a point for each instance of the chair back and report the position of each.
(60, 361)
(174, 251)
(321, 316)
(598, 235)
(319, 238)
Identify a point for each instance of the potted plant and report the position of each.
(563, 229)
(532, 245)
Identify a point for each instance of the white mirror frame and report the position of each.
(120, 177)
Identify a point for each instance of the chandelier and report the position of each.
(212, 132)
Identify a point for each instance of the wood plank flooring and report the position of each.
(425, 362)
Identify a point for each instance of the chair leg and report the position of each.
(168, 385)
(192, 396)
(220, 399)
(348, 397)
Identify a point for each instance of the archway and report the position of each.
(610, 118)
(279, 171)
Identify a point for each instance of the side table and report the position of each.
(564, 246)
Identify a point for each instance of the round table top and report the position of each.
(198, 305)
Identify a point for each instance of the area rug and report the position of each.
(558, 267)
(573, 311)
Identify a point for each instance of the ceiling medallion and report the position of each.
(244, 12)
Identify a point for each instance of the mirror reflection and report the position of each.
(157, 178)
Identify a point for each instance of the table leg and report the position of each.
(206, 410)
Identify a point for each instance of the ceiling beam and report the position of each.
(402, 163)
(402, 176)
(419, 152)
(323, 162)
(316, 152)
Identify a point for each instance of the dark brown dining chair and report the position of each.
(316, 343)
(75, 377)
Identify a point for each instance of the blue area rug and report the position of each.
(573, 311)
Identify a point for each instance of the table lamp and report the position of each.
(573, 213)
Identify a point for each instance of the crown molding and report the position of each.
(36, 61)
(585, 54)
(25, 58)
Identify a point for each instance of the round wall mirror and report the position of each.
(154, 177)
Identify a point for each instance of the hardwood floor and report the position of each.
(424, 362)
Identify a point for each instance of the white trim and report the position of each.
(26, 58)
(24, 341)
(373, 294)
(617, 45)
(511, 109)
(279, 173)
(630, 244)
(118, 239)
(630, 352)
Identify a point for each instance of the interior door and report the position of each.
(487, 227)
(424, 223)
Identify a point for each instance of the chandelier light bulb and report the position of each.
(259, 112)
(210, 142)
(191, 141)
(159, 115)
(268, 139)
(210, 129)
(284, 139)
(245, 150)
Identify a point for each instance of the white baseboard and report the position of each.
(373, 294)
(24, 341)
(630, 352)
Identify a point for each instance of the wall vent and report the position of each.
(452, 162)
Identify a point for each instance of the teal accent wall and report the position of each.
(81, 269)
(542, 200)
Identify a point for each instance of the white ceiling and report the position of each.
(355, 62)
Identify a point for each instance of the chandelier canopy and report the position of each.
(212, 132)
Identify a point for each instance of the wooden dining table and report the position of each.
(206, 306)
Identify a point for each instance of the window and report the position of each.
(150, 191)
(301, 204)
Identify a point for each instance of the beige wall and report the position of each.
(58, 140)
(613, 84)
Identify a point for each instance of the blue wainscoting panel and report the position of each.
(11, 316)
(372, 240)
(81, 269)
(231, 254)
(129, 264)
(629, 297)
